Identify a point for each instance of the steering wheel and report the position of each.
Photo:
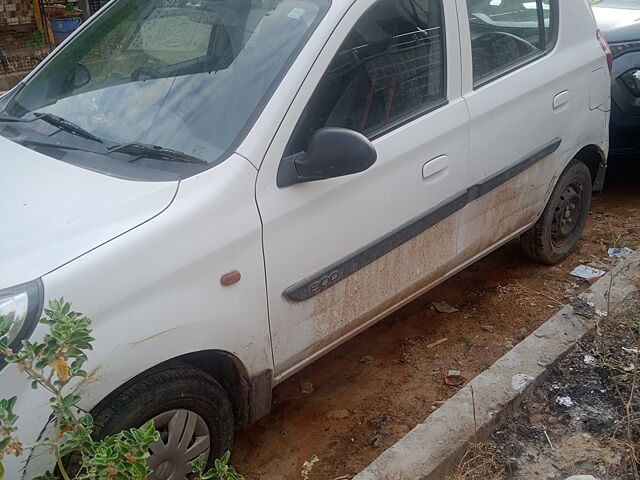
(144, 73)
(524, 45)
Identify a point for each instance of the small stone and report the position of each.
(367, 360)
(444, 307)
(306, 387)
(433, 408)
(338, 414)
(488, 328)
(454, 378)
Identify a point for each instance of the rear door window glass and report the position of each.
(507, 33)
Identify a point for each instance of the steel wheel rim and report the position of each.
(567, 215)
(184, 435)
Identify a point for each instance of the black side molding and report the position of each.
(338, 271)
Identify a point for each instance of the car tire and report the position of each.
(178, 400)
(556, 234)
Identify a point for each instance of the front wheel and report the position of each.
(556, 234)
(189, 409)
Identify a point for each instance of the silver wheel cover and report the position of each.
(184, 435)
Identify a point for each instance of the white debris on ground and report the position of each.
(587, 273)
(620, 252)
(564, 401)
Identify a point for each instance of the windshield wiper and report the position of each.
(155, 151)
(67, 126)
(56, 121)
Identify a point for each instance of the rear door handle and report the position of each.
(560, 99)
(435, 169)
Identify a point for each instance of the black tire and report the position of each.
(556, 234)
(176, 388)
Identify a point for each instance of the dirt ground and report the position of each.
(351, 405)
(577, 422)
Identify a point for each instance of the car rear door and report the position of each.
(526, 82)
(341, 253)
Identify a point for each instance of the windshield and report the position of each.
(181, 76)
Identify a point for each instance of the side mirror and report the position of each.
(332, 152)
(81, 76)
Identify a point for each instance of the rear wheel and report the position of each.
(189, 409)
(556, 234)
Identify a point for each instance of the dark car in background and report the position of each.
(619, 21)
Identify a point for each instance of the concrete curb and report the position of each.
(433, 448)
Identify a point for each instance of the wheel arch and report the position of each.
(250, 395)
(596, 160)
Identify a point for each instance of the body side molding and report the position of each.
(338, 271)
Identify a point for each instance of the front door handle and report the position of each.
(435, 169)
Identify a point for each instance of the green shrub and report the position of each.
(56, 365)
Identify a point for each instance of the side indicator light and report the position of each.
(230, 278)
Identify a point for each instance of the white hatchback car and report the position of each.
(232, 188)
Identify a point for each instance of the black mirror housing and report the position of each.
(333, 152)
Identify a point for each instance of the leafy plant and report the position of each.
(221, 469)
(307, 466)
(56, 365)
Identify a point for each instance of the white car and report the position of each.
(232, 188)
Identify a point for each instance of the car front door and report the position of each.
(340, 253)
